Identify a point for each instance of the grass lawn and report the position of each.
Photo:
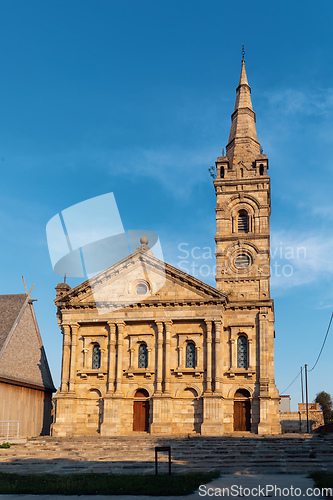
(322, 479)
(103, 484)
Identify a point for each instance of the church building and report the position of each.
(147, 347)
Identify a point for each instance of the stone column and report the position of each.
(65, 358)
(209, 356)
(161, 403)
(150, 360)
(199, 352)
(233, 351)
(212, 402)
(112, 357)
(119, 376)
(181, 363)
(264, 426)
(218, 356)
(168, 325)
(75, 328)
(131, 361)
(251, 354)
(159, 357)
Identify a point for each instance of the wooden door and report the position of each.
(140, 415)
(242, 418)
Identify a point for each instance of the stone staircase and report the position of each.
(246, 453)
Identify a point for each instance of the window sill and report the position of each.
(197, 372)
(245, 372)
(98, 372)
(139, 371)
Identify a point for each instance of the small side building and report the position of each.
(296, 421)
(26, 384)
(284, 403)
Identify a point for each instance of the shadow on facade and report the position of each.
(48, 391)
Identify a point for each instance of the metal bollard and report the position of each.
(162, 448)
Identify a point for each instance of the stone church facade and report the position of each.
(160, 351)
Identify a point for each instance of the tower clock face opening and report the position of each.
(242, 261)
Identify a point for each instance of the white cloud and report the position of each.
(311, 102)
(299, 259)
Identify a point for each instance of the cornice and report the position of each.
(65, 306)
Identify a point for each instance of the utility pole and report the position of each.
(302, 385)
(306, 395)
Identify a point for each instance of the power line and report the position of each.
(298, 374)
(314, 366)
(322, 347)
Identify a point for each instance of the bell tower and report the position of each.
(243, 208)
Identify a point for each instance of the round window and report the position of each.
(242, 261)
(141, 289)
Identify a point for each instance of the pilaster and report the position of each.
(159, 368)
(112, 357)
(167, 367)
(75, 328)
(209, 356)
(218, 357)
(65, 358)
(119, 376)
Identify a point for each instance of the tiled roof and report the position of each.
(10, 307)
(22, 355)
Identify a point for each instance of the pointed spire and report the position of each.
(243, 142)
(243, 77)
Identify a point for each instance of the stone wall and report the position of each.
(295, 421)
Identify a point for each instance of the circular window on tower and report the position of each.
(242, 261)
(142, 289)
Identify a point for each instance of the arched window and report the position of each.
(222, 173)
(242, 352)
(243, 222)
(190, 355)
(143, 356)
(96, 357)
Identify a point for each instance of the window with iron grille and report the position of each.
(96, 357)
(190, 355)
(143, 356)
(242, 352)
(243, 222)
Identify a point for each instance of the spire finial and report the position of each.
(243, 53)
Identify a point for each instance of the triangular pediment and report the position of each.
(138, 278)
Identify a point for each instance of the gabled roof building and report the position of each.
(147, 347)
(26, 384)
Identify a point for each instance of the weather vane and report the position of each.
(243, 52)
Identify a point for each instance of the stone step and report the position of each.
(283, 454)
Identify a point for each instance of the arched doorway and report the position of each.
(242, 410)
(191, 411)
(141, 411)
(94, 411)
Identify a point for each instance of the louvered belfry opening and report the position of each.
(243, 222)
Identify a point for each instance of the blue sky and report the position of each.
(135, 98)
